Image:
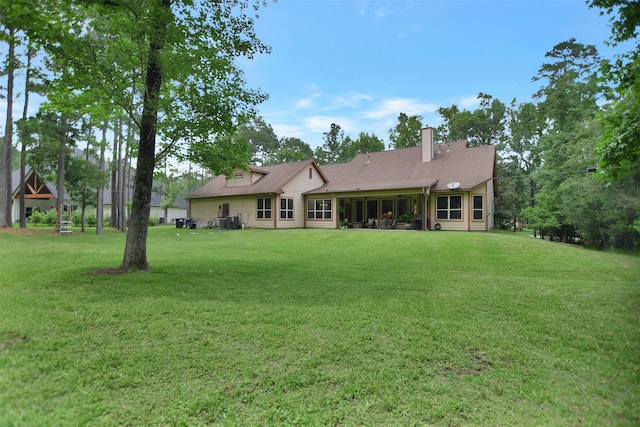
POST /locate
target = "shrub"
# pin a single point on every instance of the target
(76, 218)
(51, 217)
(90, 219)
(37, 217)
(154, 220)
(106, 220)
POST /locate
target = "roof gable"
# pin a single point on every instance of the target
(272, 180)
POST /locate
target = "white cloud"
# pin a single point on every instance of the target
(305, 103)
(469, 101)
(382, 11)
(393, 107)
(323, 123)
(286, 130)
(351, 100)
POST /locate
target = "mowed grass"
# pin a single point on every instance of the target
(313, 327)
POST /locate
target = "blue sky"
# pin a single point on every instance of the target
(359, 63)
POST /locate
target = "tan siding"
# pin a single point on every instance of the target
(467, 222)
(475, 224)
(321, 224)
(293, 190)
(237, 182)
(204, 209)
(453, 224)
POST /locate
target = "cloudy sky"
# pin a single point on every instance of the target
(359, 63)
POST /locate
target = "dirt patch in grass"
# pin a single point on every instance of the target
(479, 363)
(11, 339)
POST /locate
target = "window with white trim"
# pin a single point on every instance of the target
(478, 207)
(449, 207)
(319, 209)
(286, 208)
(264, 208)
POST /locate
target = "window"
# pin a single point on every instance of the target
(286, 208)
(403, 207)
(319, 209)
(449, 207)
(238, 175)
(477, 207)
(310, 173)
(264, 208)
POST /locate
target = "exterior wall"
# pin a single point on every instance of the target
(491, 205)
(293, 190)
(172, 213)
(237, 181)
(42, 204)
(242, 207)
(323, 223)
(467, 223)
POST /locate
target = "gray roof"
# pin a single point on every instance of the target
(404, 169)
(272, 180)
(399, 169)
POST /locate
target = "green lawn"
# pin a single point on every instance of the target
(312, 327)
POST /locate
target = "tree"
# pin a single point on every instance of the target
(170, 188)
(290, 150)
(331, 151)
(7, 146)
(407, 132)
(568, 104)
(619, 147)
(182, 53)
(483, 126)
(260, 137)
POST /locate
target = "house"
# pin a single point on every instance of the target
(43, 195)
(448, 186)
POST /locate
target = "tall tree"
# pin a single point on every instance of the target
(6, 151)
(365, 143)
(261, 138)
(407, 132)
(185, 52)
(485, 125)
(290, 150)
(568, 102)
(330, 152)
(619, 147)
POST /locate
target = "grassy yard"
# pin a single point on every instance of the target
(311, 327)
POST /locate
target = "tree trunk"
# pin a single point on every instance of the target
(135, 252)
(23, 148)
(85, 188)
(100, 191)
(62, 152)
(123, 178)
(5, 155)
(115, 167)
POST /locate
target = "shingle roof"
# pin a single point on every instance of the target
(384, 170)
(272, 181)
(404, 169)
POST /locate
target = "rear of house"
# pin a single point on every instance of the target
(447, 186)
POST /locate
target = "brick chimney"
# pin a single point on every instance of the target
(426, 136)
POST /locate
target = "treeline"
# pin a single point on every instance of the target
(116, 74)
(569, 159)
